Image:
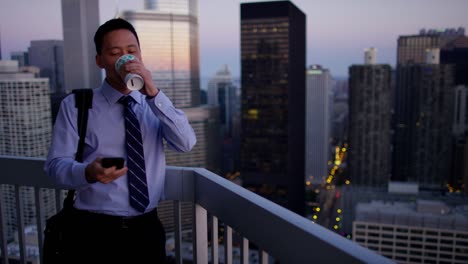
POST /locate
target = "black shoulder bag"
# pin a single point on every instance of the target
(56, 233)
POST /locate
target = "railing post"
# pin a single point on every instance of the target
(214, 241)
(245, 251)
(227, 244)
(200, 251)
(39, 217)
(3, 237)
(262, 256)
(20, 224)
(177, 232)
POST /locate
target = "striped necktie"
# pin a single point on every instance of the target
(137, 186)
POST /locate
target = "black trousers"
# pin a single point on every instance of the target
(100, 238)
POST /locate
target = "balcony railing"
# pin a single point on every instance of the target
(278, 233)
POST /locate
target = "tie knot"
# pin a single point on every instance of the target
(126, 100)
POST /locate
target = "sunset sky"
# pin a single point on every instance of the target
(337, 30)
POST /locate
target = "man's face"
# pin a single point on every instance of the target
(115, 44)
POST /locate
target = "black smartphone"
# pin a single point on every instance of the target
(112, 161)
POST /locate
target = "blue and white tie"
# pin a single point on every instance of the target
(137, 186)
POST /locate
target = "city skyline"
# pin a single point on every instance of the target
(337, 31)
(381, 122)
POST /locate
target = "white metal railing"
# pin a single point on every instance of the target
(277, 232)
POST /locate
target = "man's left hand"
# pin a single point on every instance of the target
(137, 67)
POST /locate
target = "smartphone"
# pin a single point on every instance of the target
(108, 162)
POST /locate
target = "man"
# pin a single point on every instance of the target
(112, 226)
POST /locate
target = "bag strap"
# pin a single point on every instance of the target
(83, 101)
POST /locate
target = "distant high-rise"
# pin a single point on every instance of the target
(273, 39)
(370, 105)
(317, 123)
(460, 124)
(456, 53)
(25, 131)
(458, 177)
(223, 75)
(223, 93)
(453, 46)
(48, 56)
(168, 33)
(21, 56)
(339, 113)
(25, 127)
(424, 106)
(80, 22)
(412, 49)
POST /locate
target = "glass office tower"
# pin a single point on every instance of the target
(168, 34)
(273, 39)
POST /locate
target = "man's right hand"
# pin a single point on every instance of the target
(94, 172)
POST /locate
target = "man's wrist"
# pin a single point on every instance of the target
(151, 96)
(88, 175)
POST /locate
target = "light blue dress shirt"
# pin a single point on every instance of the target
(105, 137)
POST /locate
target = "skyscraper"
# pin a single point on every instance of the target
(48, 56)
(223, 94)
(80, 21)
(21, 56)
(25, 131)
(273, 39)
(452, 43)
(458, 177)
(223, 75)
(456, 52)
(25, 128)
(423, 121)
(339, 113)
(412, 48)
(370, 102)
(423, 79)
(168, 33)
(460, 124)
(318, 123)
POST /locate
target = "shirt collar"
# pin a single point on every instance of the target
(112, 95)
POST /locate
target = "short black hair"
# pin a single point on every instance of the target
(111, 25)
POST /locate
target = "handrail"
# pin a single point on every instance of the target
(286, 236)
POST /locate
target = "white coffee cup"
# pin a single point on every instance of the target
(133, 81)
